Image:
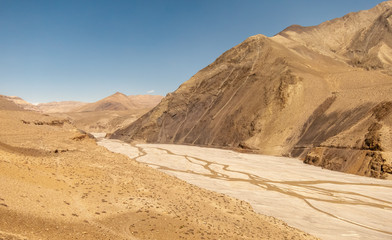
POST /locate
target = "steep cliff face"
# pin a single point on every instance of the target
(228, 102)
(308, 92)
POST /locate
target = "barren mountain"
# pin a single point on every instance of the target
(111, 113)
(56, 183)
(321, 93)
(121, 102)
(105, 115)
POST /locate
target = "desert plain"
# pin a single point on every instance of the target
(57, 183)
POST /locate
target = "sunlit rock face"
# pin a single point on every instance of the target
(308, 92)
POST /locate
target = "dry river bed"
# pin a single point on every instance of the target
(326, 204)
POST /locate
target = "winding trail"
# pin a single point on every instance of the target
(327, 204)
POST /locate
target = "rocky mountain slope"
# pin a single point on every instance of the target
(321, 93)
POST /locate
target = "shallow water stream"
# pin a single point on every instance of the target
(327, 204)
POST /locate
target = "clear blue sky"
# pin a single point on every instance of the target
(88, 49)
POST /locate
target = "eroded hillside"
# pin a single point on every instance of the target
(308, 92)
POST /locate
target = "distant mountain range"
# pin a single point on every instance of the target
(105, 115)
(321, 93)
(115, 102)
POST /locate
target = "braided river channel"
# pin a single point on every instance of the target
(327, 204)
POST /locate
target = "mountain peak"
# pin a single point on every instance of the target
(118, 94)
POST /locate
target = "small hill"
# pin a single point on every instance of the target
(121, 102)
(59, 107)
(21, 103)
(6, 104)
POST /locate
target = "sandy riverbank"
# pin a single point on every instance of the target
(327, 204)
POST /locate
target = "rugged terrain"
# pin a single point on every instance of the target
(105, 115)
(321, 93)
(110, 113)
(57, 183)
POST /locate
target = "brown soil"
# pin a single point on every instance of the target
(56, 183)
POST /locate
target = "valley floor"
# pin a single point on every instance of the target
(327, 204)
(57, 183)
